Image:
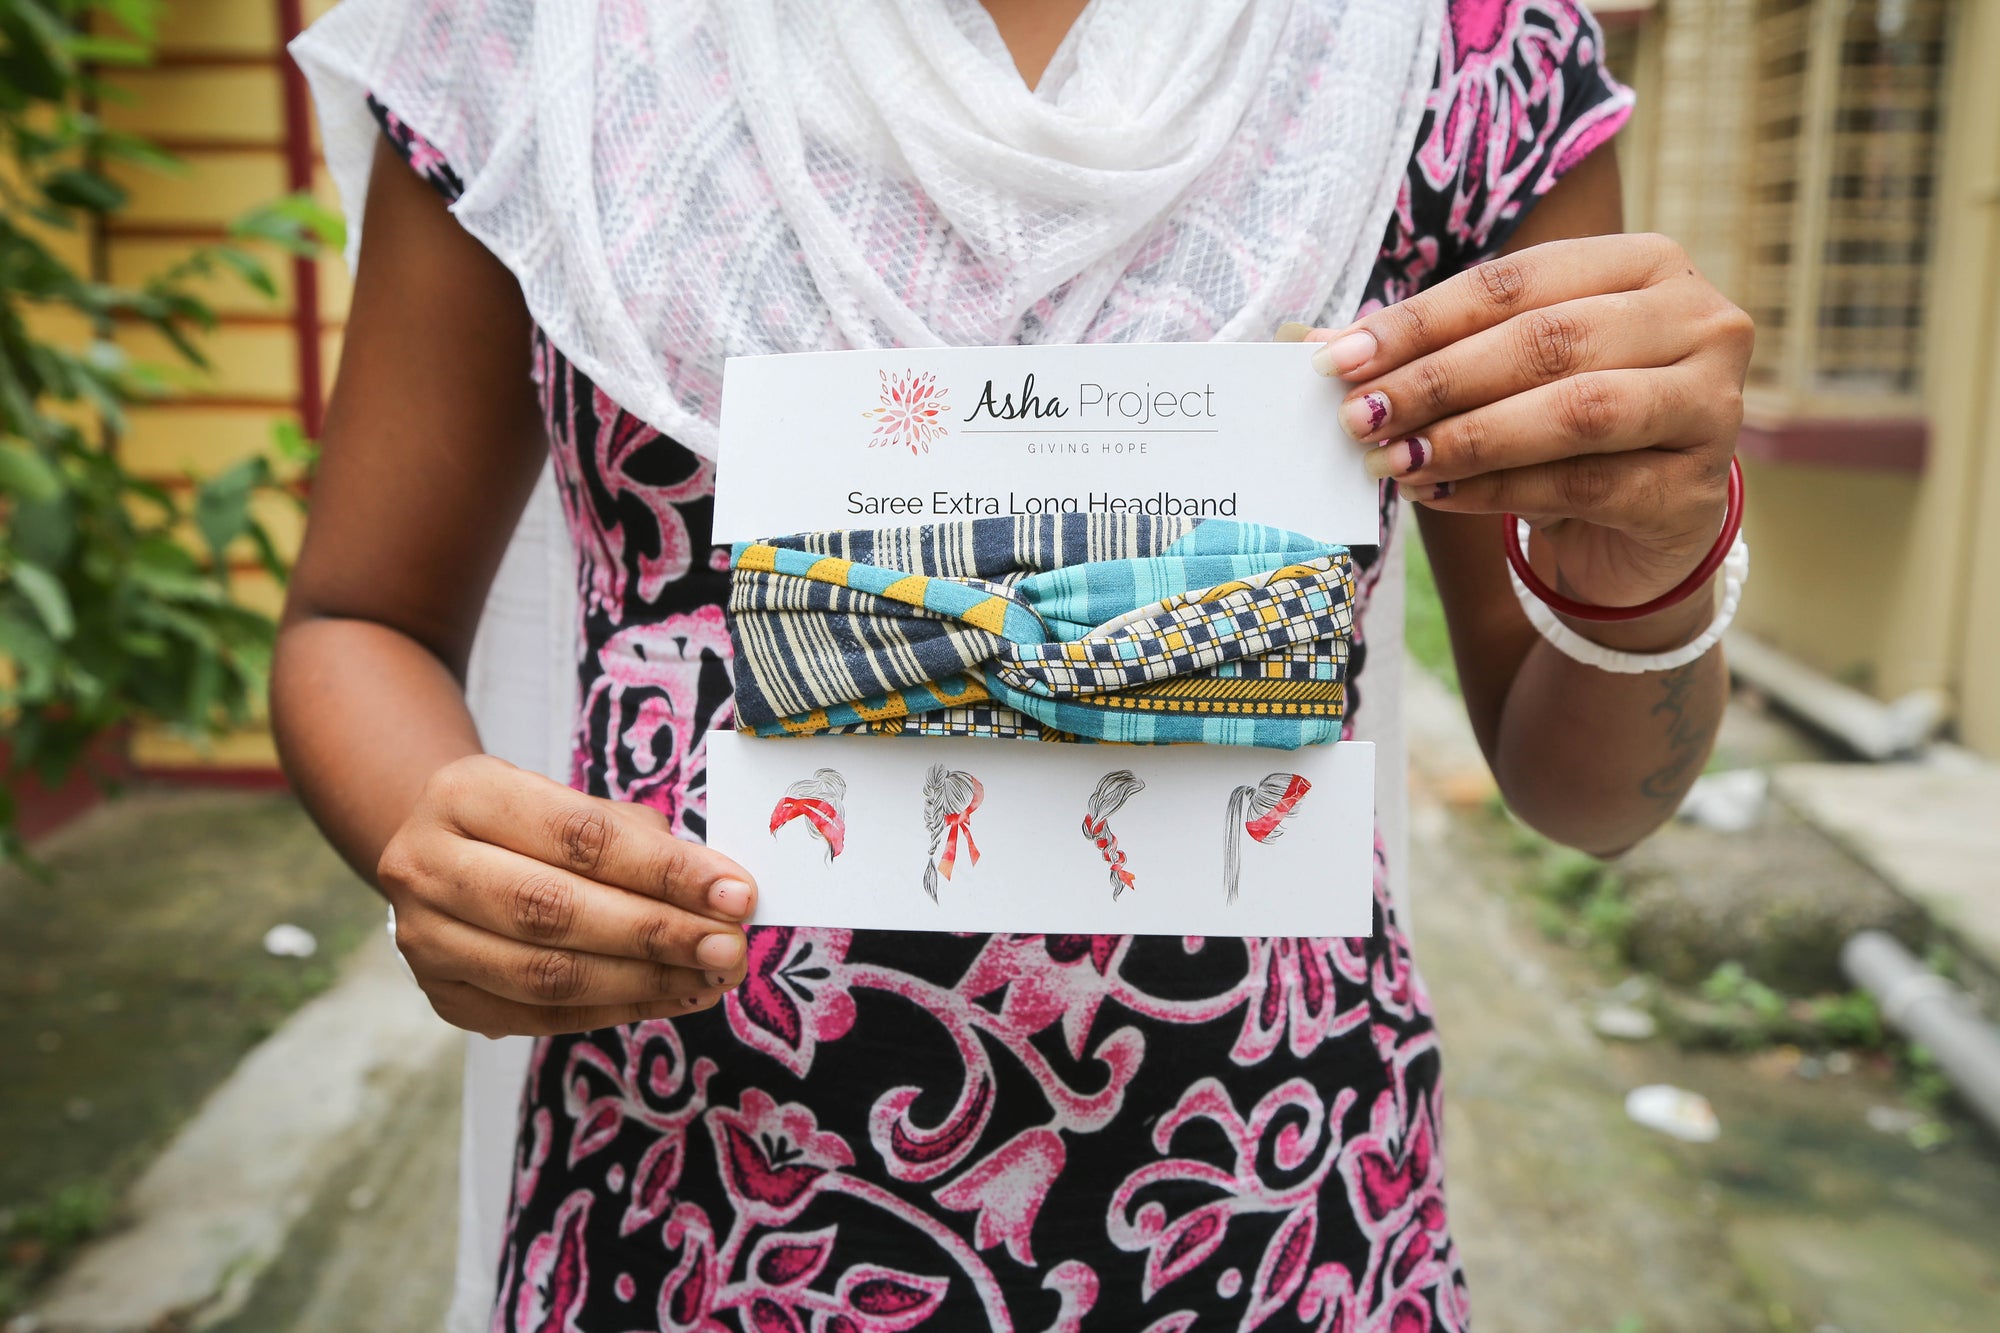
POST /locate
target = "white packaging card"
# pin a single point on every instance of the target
(891, 438)
(905, 436)
(1022, 858)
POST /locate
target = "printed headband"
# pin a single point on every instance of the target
(1064, 627)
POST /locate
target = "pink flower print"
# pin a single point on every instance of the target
(912, 1152)
(1037, 994)
(795, 994)
(1284, 1133)
(653, 1183)
(886, 1300)
(1007, 1189)
(1075, 1284)
(555, 1275)
(773, 1158)
(1294, 992)
(1392, 1166)
(646, 694)
(687, 1297)
(791, 1258)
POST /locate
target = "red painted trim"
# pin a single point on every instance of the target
(42, 810)
(193, 59)
(1892, 444)
(240, 778)
(305, 272)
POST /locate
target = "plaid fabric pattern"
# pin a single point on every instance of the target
(1087, 627)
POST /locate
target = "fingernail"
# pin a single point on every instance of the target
(1291, 331)
(1345, 354)
(690, 1001)
(1398, 457)
(731, 897)
(718, 980)
(719, 951)
(1363, 416)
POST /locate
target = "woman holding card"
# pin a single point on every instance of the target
(573, 214)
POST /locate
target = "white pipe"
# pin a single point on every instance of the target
(1932, 1012)
(1872, 729)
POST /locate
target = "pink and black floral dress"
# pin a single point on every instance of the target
(887, 1130)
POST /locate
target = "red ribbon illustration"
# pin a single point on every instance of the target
(822, 815)
(959, 822)
(1263, 826)
(1113, 790)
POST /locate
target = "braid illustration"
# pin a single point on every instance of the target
(820, 800)
(950, 797)
(1260, 811)
(1113, 790)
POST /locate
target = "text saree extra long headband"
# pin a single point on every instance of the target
(1065, 627)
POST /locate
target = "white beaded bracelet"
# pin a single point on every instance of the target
(1735, 569)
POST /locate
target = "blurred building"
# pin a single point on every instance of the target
(1834, 165)
(224, 99)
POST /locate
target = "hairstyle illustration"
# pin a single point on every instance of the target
(1260, 811)
(1113, 790)
(820, 800)
(950, 797)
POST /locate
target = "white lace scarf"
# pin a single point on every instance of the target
(676, 183)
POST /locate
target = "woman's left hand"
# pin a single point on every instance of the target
(1592, 386)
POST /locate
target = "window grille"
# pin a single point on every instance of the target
(1844, 121)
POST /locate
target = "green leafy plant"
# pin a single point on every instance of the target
(107, 617)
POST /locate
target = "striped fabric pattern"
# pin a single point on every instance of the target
(1118, 628)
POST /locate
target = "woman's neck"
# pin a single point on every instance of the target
(1032, 30)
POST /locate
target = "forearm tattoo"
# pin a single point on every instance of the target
(1688, 730)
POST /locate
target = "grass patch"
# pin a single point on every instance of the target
(1424, 631)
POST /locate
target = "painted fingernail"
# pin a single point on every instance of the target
(719, 951)
(1345, 354)
(718, 980)
(731, 897)
(1363, 416)
(1440, 491)
(1398, 457)
(1291, 331)
(690, 1001)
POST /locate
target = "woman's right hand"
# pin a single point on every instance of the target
(525, 907)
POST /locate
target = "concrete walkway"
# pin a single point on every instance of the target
(1571, 1218)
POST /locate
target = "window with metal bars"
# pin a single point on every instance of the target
(1843, 133)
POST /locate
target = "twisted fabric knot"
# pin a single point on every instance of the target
(1073, 626)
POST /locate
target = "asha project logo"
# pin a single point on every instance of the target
(912, 412)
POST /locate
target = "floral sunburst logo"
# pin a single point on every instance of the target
(912, 412)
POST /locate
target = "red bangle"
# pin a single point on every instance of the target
(1732, 523)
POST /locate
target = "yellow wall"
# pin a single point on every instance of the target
(216, 99)
(1882, 578)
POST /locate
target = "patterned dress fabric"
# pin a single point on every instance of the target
(885, 1130)
(1117, 628)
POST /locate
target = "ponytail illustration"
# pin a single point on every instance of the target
(950, 797)
(1260, 811)
(820, 800)
(1113, 790)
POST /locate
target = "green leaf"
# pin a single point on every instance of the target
(117, 146)
(289, 438)
(44, 532)
(246, 267)
(109, 50)
(75, 187)
(222, 504)
(35, 656)
(45, 593)
(25, 475)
